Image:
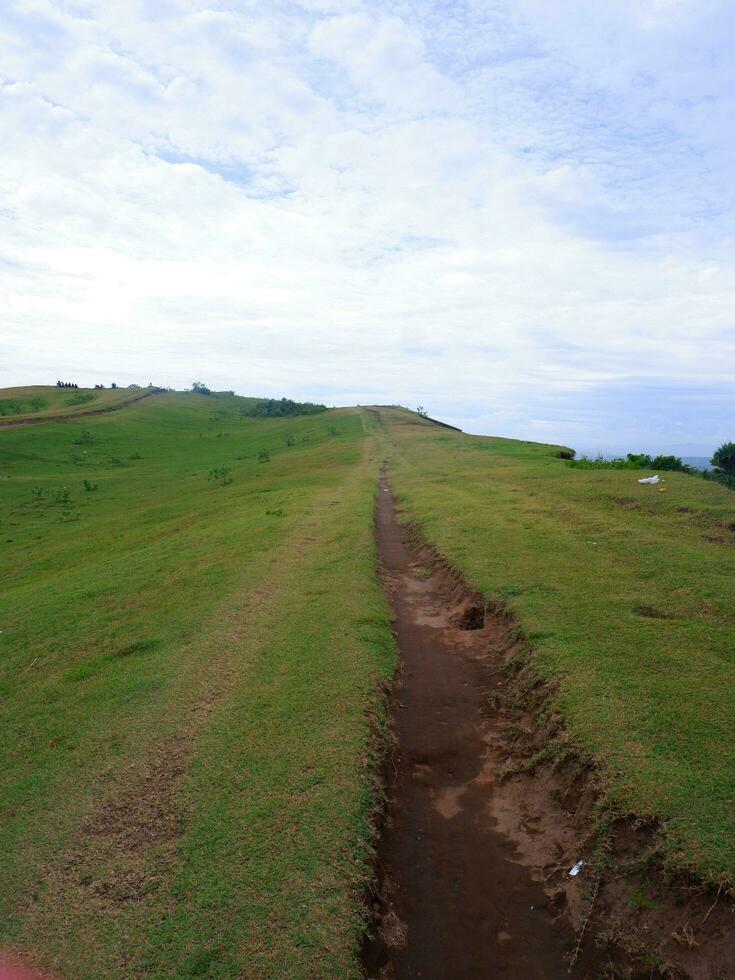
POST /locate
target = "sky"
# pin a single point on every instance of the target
(516, 213)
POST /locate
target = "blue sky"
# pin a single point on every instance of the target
(519, 214)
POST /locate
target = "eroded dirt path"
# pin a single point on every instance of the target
(457, 899)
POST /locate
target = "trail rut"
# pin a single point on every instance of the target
(456, 896)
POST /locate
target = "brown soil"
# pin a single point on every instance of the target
(15, 968)
(474, 856)
(78, 415)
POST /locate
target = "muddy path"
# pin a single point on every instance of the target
(459, 894)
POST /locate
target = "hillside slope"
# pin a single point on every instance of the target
(32, 404)
(188, 671)
(193, 643)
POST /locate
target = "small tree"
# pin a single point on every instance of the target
(420, 410)
(200, 388)
(723, 459)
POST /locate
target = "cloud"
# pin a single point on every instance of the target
(308, 197)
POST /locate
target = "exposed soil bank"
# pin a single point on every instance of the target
(454, 899)
(473, 868)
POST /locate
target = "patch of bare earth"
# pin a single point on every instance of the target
(16, 968)
(122, 852)
(489, 808)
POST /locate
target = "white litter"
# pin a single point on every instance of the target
(573, 872)
(651, 479)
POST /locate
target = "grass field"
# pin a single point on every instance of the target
(17, 404)
(189, 671)
(628, 595)
(192, 648)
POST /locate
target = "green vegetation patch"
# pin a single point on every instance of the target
(270, 408)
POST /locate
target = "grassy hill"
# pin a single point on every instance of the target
(189, 670)
(40, 402)
(193, 641)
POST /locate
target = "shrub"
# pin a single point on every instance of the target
(725, 478)
(135, 455)
(632, 461)
(289, 440)
(264, 456)
(81, 398)
(55, 496)
(332, 430)
(199, 388)
(84, 438)
(279, 407)
(723, 459)
(115, 460)
(89, 487)
(221, 475)
(672, 463)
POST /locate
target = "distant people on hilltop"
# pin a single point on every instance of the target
(66, 384)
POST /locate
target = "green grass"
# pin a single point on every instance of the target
(191, 666)
(17, 404)
(628, 595)
(188, 674)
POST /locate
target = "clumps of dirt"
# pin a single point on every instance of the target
(139, 646)
(469, 614)
(713, 538)
(627, 503)
(651, 612)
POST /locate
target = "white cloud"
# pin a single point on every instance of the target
(307, 198)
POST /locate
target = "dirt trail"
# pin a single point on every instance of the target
(456, 896)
